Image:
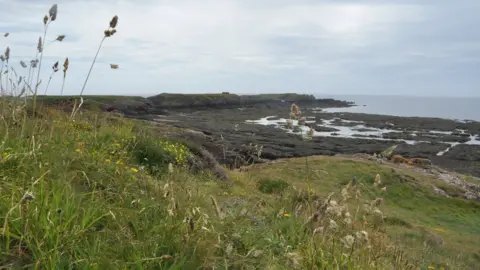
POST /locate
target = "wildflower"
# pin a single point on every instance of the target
(318, 230)
(431, 267)
(332, 225)
(358, 194)
(310, 132)
(257, 253)
(378, 180)
(384, 189)
(377, 202)
(286, 214)
(377, 212)
(108, 161)
(134, 170)
(362, 236)
(347, 221)
(295, 111)
(345, 194)
(294, 258)
(302, 120)
(78, 150)
(28, 196)
(289, 123)
(348, 241)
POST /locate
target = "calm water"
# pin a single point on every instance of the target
(442, 107)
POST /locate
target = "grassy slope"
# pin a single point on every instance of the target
(413, 212)
(100, 203)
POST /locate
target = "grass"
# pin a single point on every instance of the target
(85, 195)
(91, 190)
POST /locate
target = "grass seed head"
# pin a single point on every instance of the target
(45, 19)
(2, 57)
(65, 65)
(348, 241)
(33, 63)
(7, 54)
(23, 64)
(60, 38)
(53, 12)
(6, 34)
(114, 21)
(55, 67)
(40, 45)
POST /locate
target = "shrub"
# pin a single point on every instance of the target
(155, 155)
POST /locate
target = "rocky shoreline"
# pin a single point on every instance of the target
(231, 134)
(233, 128)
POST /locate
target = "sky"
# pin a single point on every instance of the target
(403, 47)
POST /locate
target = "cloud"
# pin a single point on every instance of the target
(351, 47)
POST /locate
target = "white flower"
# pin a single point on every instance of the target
(362, 236)
(377, 212)
(332, 225)
(28, 196)
(348, 241)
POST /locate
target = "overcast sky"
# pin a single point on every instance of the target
(427, 47)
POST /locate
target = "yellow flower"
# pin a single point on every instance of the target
(286, 215)
(135, 170)
(108, 161)
(78, 150)
(431, 267)
(4, 154)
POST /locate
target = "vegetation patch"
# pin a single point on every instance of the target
(272, 186)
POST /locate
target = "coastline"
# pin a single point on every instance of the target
(222, 124)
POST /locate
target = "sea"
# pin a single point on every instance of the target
(456, 108)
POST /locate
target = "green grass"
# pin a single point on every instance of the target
(104, 198)
(92, 190)
(411, 207)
